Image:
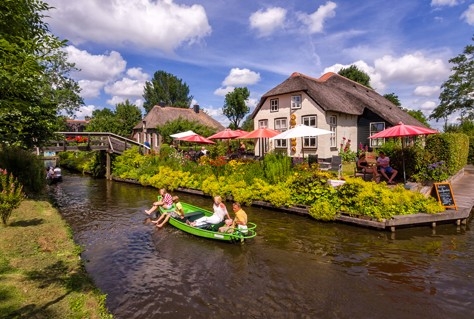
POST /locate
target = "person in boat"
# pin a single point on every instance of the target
(165, 200)
(239, 221)
(220, 212)
(57, 173)
(177, 213)
(364, 166)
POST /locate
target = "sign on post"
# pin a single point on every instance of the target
(444, 194)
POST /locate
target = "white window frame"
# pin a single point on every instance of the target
(310, 120)
(375, 127)
(281, 125)
(296, 101)
(333, 128)
(274, 105)
(262, 123)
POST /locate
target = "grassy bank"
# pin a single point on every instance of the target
(41, 275)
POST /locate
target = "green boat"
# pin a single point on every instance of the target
(191, 213)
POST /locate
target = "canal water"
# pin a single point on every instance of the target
(296, 267)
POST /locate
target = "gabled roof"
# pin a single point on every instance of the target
(333, 92)
(160, 115)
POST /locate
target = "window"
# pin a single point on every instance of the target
(296, 101)
(281, 125)
(274, 105)
(263, 124)
(311, 120)
(333, 129)
(376, 127)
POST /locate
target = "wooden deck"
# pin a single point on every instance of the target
(463, 189)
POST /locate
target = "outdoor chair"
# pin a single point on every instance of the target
(335, 165)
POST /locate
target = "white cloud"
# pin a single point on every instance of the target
(468, 15)
(315, 21)
(440, 3)
(126, 87)
(427, 91)
(90, 89)
(85, 110)
(411, 68)
(241, 77)
(266, 22)
(223, 90)
(428, 106)
(375, 78)
(101, 67)
(143, 24)
(138, 74)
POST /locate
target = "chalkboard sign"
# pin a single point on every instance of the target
(445, 196)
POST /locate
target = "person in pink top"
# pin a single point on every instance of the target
(165, 200)
(383, 163)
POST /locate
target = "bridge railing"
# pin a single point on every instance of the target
(86, 141)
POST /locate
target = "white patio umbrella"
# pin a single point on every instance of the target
(183, 134)
(301, 130)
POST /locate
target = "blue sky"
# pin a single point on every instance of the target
(217, 45)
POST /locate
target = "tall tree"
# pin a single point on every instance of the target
(457, 93)
(168, 89)
(419, 116)
(120, 122)
(354, 74)
(235, 107)
(34, 75)
(392, 97)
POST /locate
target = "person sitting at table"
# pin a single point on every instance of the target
(367, 168)
(383, 163)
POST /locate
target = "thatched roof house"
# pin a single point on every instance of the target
(159, 115)
(332, 102)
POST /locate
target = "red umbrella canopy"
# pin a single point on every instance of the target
(196, 139)
(260, 133)
(401, 130)
(225, 134)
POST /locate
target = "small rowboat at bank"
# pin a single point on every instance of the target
(192, 213)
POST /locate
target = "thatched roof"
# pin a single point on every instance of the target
(160, 115)
(333, 92)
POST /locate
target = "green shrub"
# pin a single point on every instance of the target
(27, 167)
(11, 195)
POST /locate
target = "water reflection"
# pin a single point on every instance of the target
(295, 267)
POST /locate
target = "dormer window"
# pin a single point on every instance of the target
(274, 105)
(296, 101)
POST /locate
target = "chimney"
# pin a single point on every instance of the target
(196, 108)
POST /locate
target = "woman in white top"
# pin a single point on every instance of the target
(220, 212)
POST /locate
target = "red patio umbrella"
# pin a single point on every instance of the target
(260, 133)
(225, 134)
(196, 139)
(402, 130)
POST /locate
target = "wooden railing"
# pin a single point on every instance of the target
(89, 141)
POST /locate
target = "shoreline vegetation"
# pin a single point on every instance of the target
(41, 273)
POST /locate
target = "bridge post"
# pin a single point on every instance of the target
(108, 174)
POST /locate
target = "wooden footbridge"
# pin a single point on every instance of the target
(90, 141)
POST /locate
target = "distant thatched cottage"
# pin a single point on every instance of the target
(332, 102)
(160, 115)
